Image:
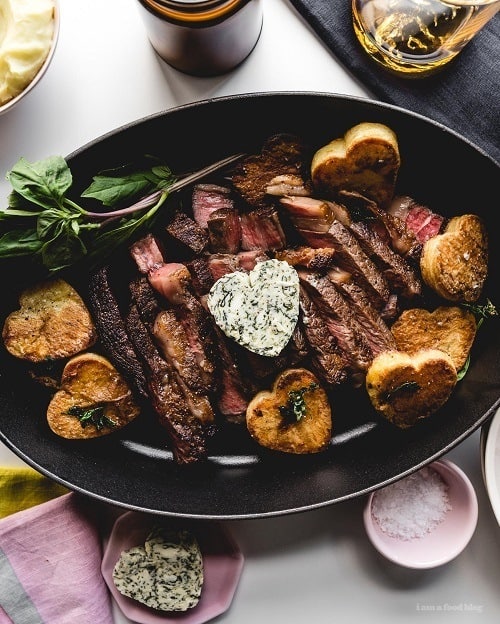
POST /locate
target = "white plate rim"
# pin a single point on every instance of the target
(490, 471)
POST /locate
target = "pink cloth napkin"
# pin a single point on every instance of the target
(50, 565)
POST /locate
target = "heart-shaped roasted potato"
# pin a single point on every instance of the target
(455, 264)
(258, 309)
(93, 399)
(366, 160)
(294, 416)
(52, 323)
(449, 329)
(405, 388)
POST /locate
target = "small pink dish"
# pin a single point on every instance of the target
(444, 541)
(222, 567)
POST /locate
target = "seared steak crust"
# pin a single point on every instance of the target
(327, 357)
(186, 432)
(112, 330)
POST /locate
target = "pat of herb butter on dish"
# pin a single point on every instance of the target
(258, 309)
(165, 574)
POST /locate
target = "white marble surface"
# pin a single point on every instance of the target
(316, 566)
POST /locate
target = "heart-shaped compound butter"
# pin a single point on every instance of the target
(166, 573)
(258, 309)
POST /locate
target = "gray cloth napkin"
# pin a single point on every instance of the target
(464, 96)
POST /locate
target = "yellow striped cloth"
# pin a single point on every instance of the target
(23, 487)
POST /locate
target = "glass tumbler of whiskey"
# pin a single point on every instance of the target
(414, 38)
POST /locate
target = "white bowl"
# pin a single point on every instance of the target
(443, 542)
(490, 461)
(9, 105)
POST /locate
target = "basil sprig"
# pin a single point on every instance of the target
(42, 220)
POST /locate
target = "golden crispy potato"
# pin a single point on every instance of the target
(405, 388)
(455, 264)
(449, 329)
(366, 160)
(93, 400)
(273, 423)
(53, 322)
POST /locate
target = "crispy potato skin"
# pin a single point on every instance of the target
(455, 264)
(52, 322)
(448, 328)
(266, 425)
(366, 160)
(89, 379)
(405, 388)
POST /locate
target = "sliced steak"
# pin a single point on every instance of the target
(340, 319)
(224, 231)
(351, 257)
(234, 394)
(388, 226)
(146, 299)
(207, 198)
(201, 277)
(222, 264)
(187, 433)
(419, 219)
(173, 281)
(170, 339)
(423, 222)
(374, 328)
(148, 253)
(173, 343)
(317, 259)
(248, 259)
(112, 331)
(327, 358)
(261, 230)
(188, 233)
(399, 273)
(281, 155)
(309, 213)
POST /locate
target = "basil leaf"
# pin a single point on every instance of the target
(105, 242)
(64, 249)
(19, 243)
(44, 182)
(47, 224)
(111, 190)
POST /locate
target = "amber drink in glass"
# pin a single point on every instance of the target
(414, 38)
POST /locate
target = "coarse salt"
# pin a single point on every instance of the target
(412, 507)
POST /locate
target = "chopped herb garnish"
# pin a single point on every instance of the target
(407, 386)
(463, 371)
(481, 312)
(295, 408)
(92, 415)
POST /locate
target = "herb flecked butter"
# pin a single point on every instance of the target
(259, 309)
